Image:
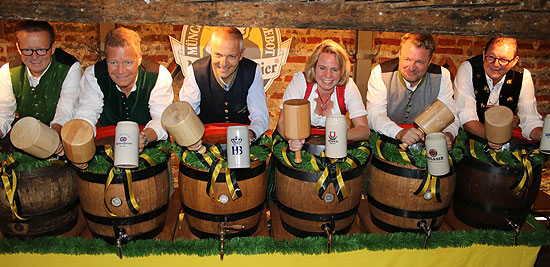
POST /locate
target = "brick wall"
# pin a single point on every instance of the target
(82, 40)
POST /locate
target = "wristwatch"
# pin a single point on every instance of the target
(144, 138)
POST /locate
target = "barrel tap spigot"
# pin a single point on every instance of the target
(514, 226)
(426, 229)
(120, 237)
(329, 230)
(222, 232)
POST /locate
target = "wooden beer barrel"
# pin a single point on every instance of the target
(48, 197)
(151, 188)
(202, 214)
(484, 196)
(392, 204)
(303, 213)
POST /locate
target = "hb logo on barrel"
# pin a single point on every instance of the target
(236, 148)
(263, 45)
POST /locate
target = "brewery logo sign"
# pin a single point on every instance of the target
(263, 45)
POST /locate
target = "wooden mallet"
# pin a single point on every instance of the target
(436, 117)
(297, 121)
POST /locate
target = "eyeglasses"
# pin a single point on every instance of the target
(39, 51)
(501, 61)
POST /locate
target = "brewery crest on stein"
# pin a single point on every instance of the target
(126, 145)
(545, 138)
(238, 147)
(437, 156)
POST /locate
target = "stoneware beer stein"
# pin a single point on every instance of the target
(499, 124)
(34, 137)
(437, 154)
(336, 130)
(126, 144)
(238, 147)
(78, 140)
(183, 124)
(545, 138)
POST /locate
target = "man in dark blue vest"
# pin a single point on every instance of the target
(227, 87)
(491, 79)
(42, 83)
(125, 87)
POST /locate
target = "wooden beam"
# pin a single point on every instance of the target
(513, 18)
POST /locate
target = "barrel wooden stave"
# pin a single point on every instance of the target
(151, 194)
(398, 192)
(48, 197)
(490, 186)
(301, 196)
(193, 195)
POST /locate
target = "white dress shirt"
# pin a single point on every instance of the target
(377, 96)
(255, 100)
(90, 104)
(68, 96)
(466, 101)
(352, 97)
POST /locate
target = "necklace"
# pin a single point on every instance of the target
(324, 103)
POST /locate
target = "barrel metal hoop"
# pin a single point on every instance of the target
(202, 235)
(116, 221)
(317, 217)
(147, 235)
(240, 174)
(392, 228)
(489, 168)
(136, 175)
(222, 217)
(313, 177)
(482, 225)
(404, 172)
(491, 208)
(301, 233)
(55, 212)
(58, 231)
(407, 213)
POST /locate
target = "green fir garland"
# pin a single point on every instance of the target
(260, 150)
(267, 245)
(391, 152)
(359, 154)
(504, 155)
(100, 165)
(26, 162)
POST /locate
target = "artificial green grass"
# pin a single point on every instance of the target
(266, 245)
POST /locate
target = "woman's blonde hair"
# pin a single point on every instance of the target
(329, 46)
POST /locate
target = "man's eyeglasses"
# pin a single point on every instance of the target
(39, 51)
(501, 61)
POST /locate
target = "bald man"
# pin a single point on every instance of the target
(227, 87)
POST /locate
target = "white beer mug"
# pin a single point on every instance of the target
(238, 147)
(545, 138)
(336, 140)
(126, 144)
(437, 154)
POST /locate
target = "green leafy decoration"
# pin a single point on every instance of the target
(266, 245)
(260, 150)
